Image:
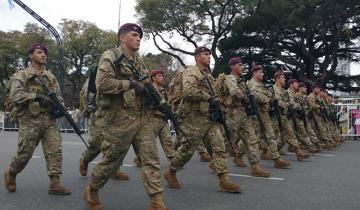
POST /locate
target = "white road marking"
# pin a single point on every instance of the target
(248, 176)
(317, 154)
(126, 165)
(36, 156)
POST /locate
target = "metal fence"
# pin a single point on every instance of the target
(348, 116)
(8, 124)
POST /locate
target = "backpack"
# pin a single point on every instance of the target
(221, 87)
(176, 88)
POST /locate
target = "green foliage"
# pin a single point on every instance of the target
(307, 35)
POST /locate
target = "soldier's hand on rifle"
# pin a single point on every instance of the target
(138, 86)
(44, 100)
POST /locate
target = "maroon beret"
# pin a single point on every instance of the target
(131, 27)
(201, 49)
(234, 60)
(155, 72)
(301, 84)
(292, 81)
(33, 47)
(256, 68)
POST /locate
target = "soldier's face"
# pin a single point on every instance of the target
(159, 78)
(203, 58)
(316, 90)
(303, 90)
(238, 68)
(131, 40)
(295, 86)
(259, 75)
(281, 80)
(38, 56)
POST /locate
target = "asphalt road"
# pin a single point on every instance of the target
(328, 181)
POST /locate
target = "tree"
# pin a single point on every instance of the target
(83, 44)
(161, 61)
(195, 21)
(308, 36)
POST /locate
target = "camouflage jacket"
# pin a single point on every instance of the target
(314, 103)
(113, 84)
(23, 90)
(261, 94)
(283, 98)
(236, 92)
(196, 92)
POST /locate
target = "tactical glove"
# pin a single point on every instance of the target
(44, 100)
(138, 86)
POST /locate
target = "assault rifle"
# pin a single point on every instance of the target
(255, 110)
(217, 114)
(154, 98)
(59, 110)
(276, 108)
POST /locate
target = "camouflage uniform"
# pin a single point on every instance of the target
(196, 124)
(330, 109)
(35, 122)
(162, 130)
(125, 120)
(286, 133)
(317, 121)
(299, 126)
(175, 100)
(262, 97)
(237, 118)
(95, 138)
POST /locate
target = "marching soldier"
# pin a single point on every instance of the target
(286, 133)
(235, 101)
(31, 107)
(95, 140)
(317, 120)
(308, 116)
(329, 121)
(263, 97)
(196, 99)
(160, 123)
(125, 119)
(299, 117)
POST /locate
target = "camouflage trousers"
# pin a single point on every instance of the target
(162, 131)
(269, 133)
(320, 128)
(334, 132)
(243, 130)
(311, 133)
(95, 139)
(120, 129)
(201, 149)
(302, 135)
(198, 128)
(286, 134)
(33, 130)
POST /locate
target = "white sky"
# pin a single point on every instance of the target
(103, 13)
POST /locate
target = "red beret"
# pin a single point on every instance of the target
(33, 47)
(131, 27)
(301, 84)
(292, 81)
(201, 49)
(155, 72)
(234, 60)
(256, 68)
